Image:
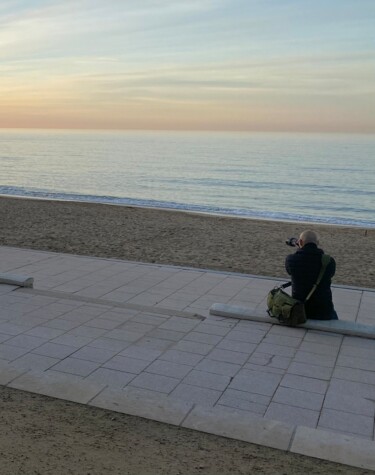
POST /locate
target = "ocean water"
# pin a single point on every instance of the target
(300, 177)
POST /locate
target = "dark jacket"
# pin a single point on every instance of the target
(304, 266)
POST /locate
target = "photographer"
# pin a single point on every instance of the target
(304, 266)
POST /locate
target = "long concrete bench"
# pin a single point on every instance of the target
(19, 280)
(334, 326)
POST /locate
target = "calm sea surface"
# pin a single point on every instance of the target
(299, 177)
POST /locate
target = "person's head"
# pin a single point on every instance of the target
(307, 237)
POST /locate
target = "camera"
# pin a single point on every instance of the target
(293, 242)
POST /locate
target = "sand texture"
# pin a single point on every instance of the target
(185, 239)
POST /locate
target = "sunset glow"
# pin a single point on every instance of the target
(197, 64)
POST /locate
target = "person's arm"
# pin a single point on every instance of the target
(331, 268)
(287, 265)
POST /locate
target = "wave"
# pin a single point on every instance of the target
(215, 210)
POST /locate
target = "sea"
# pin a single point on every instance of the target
(317, 178)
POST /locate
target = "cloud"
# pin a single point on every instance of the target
(199, 55)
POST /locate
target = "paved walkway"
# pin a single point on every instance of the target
(138, 338)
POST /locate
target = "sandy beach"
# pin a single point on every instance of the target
(46, 436)
(179, 238)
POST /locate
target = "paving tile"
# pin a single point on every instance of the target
(168, 368)
(149, 318)
(213, 328)
(124, 335)
(314, 359)
(352, 388)
(248, 337)
(10, 353)
(352, 374)
(75, 366)
(26, 341)
(239, 346)
(166, 334)
(54, 350)
(109, 344)
(203, 338)
(298, 398)
(263, 359)
(149, 407)
(44, 332)
(34, 362)
(155, 343)
(319, 348)
(289, 341)
(256, 382)
(348, 422)
(218, 367)
(323, 338)
(228, 356)
(264, 369)
(247, 396)
(62, 324)
(292, 415)
(117, 315)
(334, 447)
(353, 362)
(12, 329)
(86, 331)
(237, 425)
(287, 331)
(249, 326)
(180, 324)
(357, 352)
(137, 327)
(243, 404)
(193, 347)
(181, 357)
(140, 352)
(98, 355)
(303, 383)
(126, 364)
(103, 323)
(71, 340)
(355, 404)
(204, 379)
(8, 373)
(155, 382)
(357, 342)
(195, 394)
(311, 371)
(273, 349)
(110, 377)
(144, 393)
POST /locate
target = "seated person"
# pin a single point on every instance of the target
(304, 266)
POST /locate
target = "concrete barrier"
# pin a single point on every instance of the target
(13, 279)
(334, 326)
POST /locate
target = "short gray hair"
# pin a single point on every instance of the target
(309, 236)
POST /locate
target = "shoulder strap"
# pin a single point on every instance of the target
(325, 261)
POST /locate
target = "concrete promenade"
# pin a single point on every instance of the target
(138, 338)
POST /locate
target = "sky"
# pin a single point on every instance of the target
(246, 65)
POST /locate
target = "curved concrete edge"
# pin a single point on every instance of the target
(19, 280)
(334, 326)
(220, 421)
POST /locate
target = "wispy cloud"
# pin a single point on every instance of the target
(171, 59)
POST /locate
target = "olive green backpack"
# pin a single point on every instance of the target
(285, 308)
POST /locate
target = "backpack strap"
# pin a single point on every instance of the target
(326, 259)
